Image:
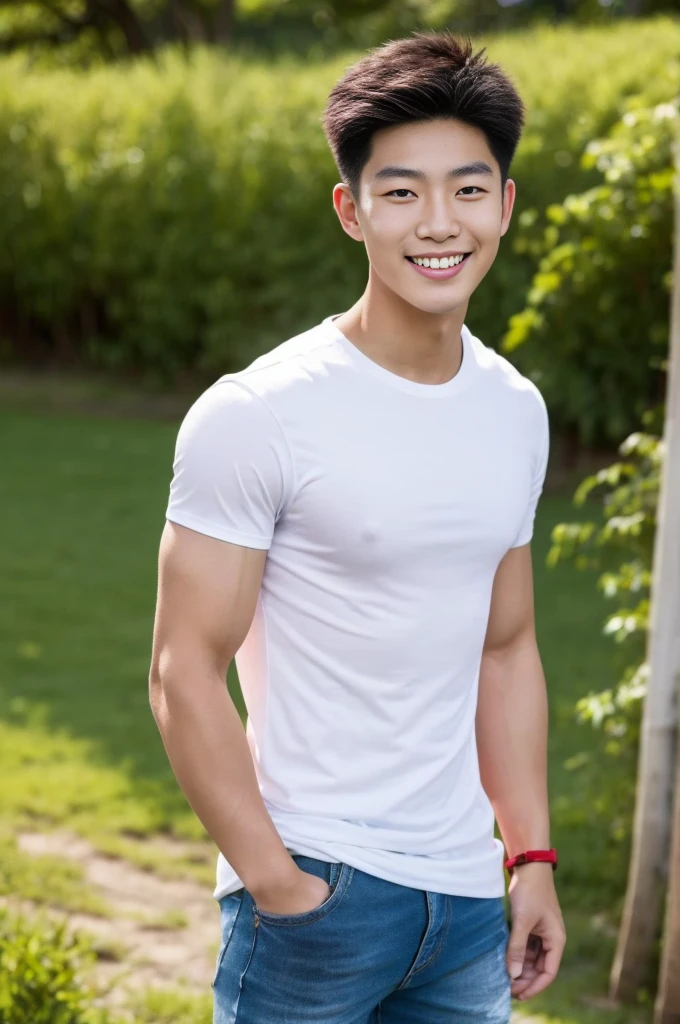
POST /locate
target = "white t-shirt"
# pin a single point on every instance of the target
(385, 505)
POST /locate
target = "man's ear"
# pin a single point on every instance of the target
(509, 196)
(346, 209)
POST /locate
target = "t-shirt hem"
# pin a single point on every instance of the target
(218, 532)
(451, 878)
(521, 541)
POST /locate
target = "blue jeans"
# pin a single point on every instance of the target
(374, 952)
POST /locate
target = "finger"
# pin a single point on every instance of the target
(539, 984)
(517, 988)
(547, 974)
(529, 974)
(517, 948)
(537, 962)
(534, 949)
(530, 971)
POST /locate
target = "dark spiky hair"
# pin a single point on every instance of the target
(423, 77)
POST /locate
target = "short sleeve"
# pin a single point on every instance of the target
(540, 466)
(232, 470)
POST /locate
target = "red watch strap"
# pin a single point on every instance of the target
(532, 856)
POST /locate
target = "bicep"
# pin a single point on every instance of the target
(232, 473)
(511, 612)
(207, 595)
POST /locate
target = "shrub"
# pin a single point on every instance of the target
(41, 974)
(594, 330)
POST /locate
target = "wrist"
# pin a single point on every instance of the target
(272, 877)
(542, 857)
(534, 870)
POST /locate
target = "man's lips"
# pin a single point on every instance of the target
(436, 255)
(439, 274)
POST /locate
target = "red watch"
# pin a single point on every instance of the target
(533, 856)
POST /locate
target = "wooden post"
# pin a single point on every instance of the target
(648, 873)
(667, 1010)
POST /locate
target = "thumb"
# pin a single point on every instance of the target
(517, 948)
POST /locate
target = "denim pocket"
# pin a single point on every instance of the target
(338, 876)
(229, 908)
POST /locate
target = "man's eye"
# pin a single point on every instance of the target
(394, 190)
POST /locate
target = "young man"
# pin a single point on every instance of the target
(350, 517)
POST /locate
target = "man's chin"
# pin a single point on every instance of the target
(436, 305)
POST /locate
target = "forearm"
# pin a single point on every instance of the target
(209, 754)
(512, 730)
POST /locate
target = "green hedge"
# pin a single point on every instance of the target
(177, 215)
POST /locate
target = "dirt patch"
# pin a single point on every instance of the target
(152, 955)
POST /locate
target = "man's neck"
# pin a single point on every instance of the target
(418, 346)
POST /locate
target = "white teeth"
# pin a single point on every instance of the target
(439, 264)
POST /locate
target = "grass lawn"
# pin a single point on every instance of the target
(82, 501)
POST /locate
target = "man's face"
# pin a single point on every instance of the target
(402, 214)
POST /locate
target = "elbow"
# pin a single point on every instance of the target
(165, 670)
(504, 646)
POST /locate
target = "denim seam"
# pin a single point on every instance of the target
(243, 974)
(225, 945)
(412, 969)
(436, 952)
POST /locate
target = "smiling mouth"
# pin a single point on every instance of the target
(413, 259)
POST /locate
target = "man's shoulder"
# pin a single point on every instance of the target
(503, 376)
(287, 367)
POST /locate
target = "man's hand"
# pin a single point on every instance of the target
(302, 893)
(538, 937)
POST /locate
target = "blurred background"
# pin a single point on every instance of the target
(165, 217)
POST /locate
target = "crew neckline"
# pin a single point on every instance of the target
(450, 387)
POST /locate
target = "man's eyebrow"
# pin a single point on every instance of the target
(392, 171)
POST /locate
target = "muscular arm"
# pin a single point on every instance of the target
(512, 710)
(207, 594)
(512, 735)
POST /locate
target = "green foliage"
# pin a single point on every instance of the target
(176, 215)
(171, 1006)
(594, 332)
(623, 549)
(636, 160)
(83, 32)
(41, 969)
